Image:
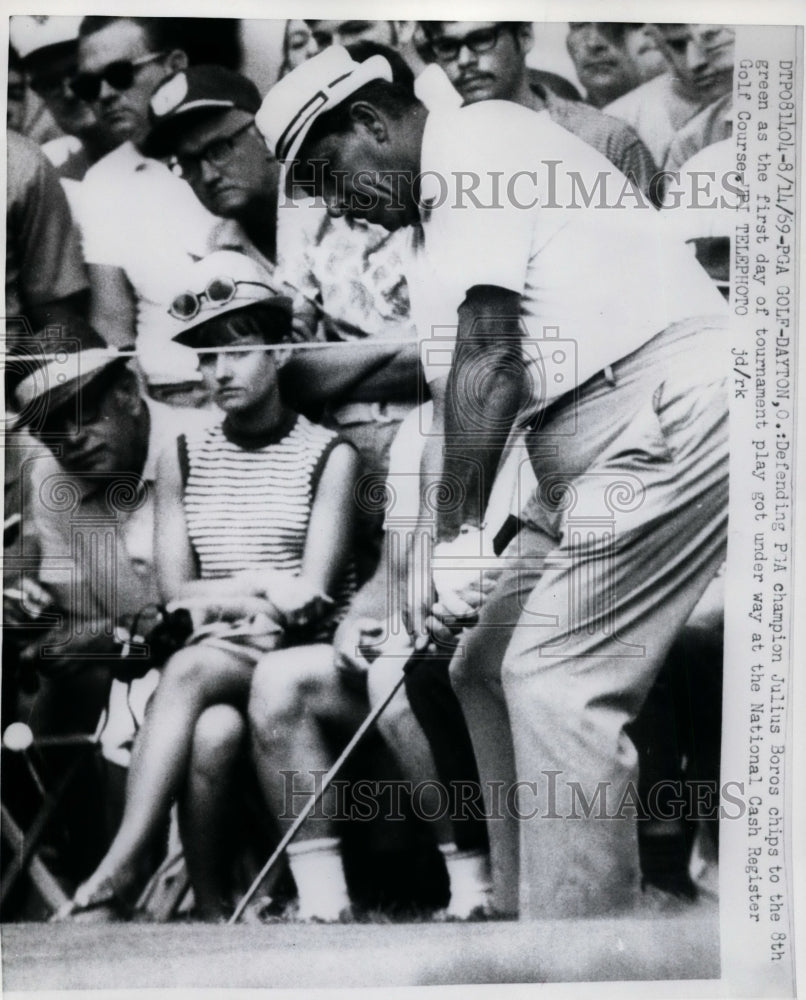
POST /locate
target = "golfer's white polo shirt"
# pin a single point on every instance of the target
(503, 202)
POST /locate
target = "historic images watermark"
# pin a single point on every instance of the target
(550, 797)
(552, 186)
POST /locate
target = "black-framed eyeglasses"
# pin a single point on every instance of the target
(218, 292)
(217, 153)
(119, 74)
(479, 41)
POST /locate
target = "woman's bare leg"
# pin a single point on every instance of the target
(193, 679)
(204, 806)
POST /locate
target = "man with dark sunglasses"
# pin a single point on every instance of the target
(486, 60)
(120, 62)
(140, 223)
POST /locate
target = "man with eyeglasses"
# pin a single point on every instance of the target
(89, 517)
(139, 222)
(203, 122)
(486, 60)
(700, 58)
(410, 39)
(350, 277)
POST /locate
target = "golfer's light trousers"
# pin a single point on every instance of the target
(626, 528)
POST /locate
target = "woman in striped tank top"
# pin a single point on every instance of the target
(254, 518)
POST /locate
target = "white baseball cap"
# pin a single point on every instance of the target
(29, 33)
(295, 102)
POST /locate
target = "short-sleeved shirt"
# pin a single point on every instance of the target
(657, 110)
(43, 254)
(355, 270)
(70, 522)
(595, 283)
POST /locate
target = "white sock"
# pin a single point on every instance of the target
(319, 875)
(469, 874)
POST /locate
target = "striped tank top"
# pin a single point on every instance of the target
(248, 508)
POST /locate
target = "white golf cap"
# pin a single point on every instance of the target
(295, 102)
(29, 33)
(222, 282)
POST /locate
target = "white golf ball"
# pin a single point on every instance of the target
(18, 736)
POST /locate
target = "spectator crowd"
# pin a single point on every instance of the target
(414, 359)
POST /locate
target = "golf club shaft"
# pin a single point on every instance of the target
(313, 801)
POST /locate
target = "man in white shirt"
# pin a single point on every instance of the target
(139, 222)
(566, 323)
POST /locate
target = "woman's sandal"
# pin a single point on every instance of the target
(105, 902)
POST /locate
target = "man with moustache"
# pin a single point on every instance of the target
(486, 60)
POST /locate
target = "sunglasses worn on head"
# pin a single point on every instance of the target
(119, 74)
(217, 153)
(218, 292)
(478, 41)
